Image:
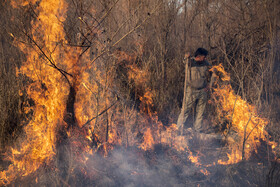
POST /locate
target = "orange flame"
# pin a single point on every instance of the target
(244, 120)
(48, 90)
(205, 172)
(148, 140)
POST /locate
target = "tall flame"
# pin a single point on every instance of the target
(243, 119)
(48, 89)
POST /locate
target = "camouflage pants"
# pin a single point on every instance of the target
(197, 98)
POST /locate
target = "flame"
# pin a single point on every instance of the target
(140, 78)
(48, 90)
(243, 118)
(193, 159)
(205, 172)
(17, 3)
(161, 134)
(233, 158)
(148, 140)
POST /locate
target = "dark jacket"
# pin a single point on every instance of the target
(197, 74)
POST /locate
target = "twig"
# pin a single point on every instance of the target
(106, 14)
(244, 138)
(91, 30)
(64, 73)
(101, 112)
(130, 17)
(252, 130)
(104, 50)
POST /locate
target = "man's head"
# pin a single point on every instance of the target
(200, 54)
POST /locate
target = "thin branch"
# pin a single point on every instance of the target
(106, 14)
(244, 138)
(52, 64)
(130, 17)
(91, 30)
(102, 112)
(104, 50)
(252, 130)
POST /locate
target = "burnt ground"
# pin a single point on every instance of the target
(160, 166)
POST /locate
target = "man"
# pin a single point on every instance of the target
(197, 84)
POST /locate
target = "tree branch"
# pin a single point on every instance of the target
(117, 99)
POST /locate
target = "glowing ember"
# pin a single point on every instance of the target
(205, 172)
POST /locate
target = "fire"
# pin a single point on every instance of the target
(16, 3)
(233, 158)
(148, 140)
(156, 133)
(244, 120)
(193, 159)
(205, 172)
(48, 89)
(62, 70)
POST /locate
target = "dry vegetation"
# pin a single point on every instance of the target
(149, 38)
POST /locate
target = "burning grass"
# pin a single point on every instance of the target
(159, 166)
(84, 133)
(244, 121)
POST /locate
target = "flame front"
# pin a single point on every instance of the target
(59, 70)
(48, 89)
(244, 121)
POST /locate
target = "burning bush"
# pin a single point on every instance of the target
(93, 119)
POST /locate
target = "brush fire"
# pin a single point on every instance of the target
(84, 131)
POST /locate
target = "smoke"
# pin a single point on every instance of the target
(133, 167)
(164, 166)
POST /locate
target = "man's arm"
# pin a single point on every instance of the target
(213, 77)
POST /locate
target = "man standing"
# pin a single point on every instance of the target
(197, 84)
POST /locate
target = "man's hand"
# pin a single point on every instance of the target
(187, 55)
